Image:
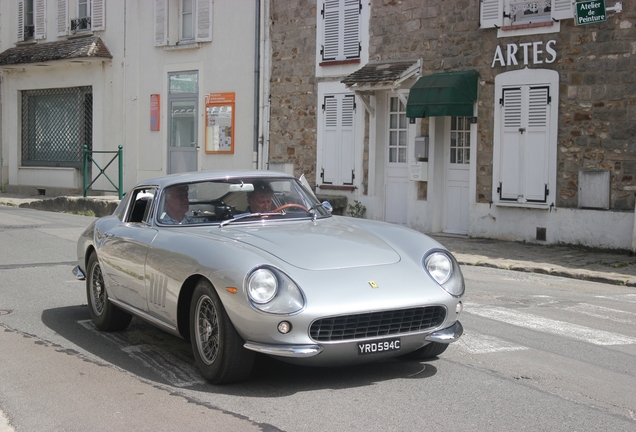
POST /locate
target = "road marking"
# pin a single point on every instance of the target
(559, 328)
(474, 343)
(4, 423)
(176, 371)
(604, 313)
(629, 298)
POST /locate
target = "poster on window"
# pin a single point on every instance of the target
(219, 123)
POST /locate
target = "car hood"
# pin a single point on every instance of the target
(327, 244)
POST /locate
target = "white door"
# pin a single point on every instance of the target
(396, 177)
(457, 157)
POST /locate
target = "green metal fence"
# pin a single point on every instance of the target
(88, 159)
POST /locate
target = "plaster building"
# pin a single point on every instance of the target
(175, 82)
(510, 119)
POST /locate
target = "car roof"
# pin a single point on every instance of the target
(198, 176)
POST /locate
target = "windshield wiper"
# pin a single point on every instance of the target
(246, 215)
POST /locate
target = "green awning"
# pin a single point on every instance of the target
(443, 94)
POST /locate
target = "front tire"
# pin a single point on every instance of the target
(431, 350)
(216, 345)
(106, 316)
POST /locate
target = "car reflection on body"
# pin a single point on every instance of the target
(293, 282)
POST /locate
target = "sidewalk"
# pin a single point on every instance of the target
(616, 267)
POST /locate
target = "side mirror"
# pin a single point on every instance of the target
(327, 206)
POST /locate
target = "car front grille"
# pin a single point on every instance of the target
(376, 324)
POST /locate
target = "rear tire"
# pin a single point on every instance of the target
(431, 350)
(216, 345)
(106, 316)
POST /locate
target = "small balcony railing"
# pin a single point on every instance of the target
(80, 24)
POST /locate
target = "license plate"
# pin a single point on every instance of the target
(380, 346)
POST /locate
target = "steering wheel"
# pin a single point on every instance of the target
(286, 206)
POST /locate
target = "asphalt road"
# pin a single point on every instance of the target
(539, 353)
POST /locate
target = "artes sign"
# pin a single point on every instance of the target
(590, 12)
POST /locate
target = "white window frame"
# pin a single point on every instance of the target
(497, 14)
(338, 161)
(517, 170)
(39, 19)
(182, 20)
(168, 24)
(399, 129)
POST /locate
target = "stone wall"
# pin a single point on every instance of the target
(293, 85)
(597, 95)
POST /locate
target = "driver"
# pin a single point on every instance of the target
(176, 206)
(260, 199)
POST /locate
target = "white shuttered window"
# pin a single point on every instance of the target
(341, 30)
(31, 19)
(192, 18)
(499, 13)
(524, 173)
(337, 165)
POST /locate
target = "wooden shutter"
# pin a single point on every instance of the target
(536, 143)
(39, 19)
(161, 22)
(203, 22)
(331, 29)
(511, 163)
(98, 15)
(341, 29)
(338, 139)
(351, 29)
(524, 144)
(562, 9)
(491, 13)
(20, 20)
(62, 17)
(346, 153)
(330, 140)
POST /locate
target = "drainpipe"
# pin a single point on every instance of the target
(265, 97)
(257, 81)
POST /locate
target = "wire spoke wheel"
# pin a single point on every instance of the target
(97, 292)
(208, 330)
(217, 347)
(106, 316)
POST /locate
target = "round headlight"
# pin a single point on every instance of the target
(262, 286)
(439, 266)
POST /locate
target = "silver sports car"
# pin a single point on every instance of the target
(249, 262)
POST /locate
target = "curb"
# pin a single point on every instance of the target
(551, 270)
(100, 206)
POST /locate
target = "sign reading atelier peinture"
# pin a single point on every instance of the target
(590, 12)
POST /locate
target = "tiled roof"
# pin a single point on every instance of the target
(85, 47)
(380, 73)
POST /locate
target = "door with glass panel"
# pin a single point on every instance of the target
(182, 125)
(457, 155)
(396, 172)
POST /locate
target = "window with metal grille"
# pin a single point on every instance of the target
(56, 123)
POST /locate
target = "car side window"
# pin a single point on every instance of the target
(140, 210)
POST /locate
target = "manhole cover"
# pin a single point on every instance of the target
(5, 311)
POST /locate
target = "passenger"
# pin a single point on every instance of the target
(176, 206)
(260, 200)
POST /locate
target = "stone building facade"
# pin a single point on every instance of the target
(585, 192)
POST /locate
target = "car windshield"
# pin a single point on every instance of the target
(244, 200)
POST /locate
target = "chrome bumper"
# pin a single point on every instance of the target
(297, 351)
(78, 273)
(447, 335)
